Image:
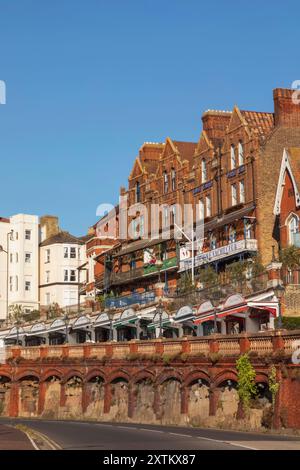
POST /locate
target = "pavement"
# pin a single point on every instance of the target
(81, 435)
(13, 439)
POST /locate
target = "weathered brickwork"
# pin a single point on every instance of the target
(181, 389)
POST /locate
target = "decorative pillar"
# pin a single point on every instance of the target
(184, 400)
(214, 395)
(13, 410)
(63, 397)
(244, 343)
(274, 273)
(107, 397)
(42, 395)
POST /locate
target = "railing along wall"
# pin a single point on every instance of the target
(258, 344)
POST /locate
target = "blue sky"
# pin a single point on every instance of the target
(89, 81)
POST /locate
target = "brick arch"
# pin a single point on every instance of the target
(195, 375)
(118, 374)
(70, 374)
(25, 374)
(143, 375)
(6, 375)
(95, 373)
(223, 376)
(51, 373)
(168, 375)
(262, 377)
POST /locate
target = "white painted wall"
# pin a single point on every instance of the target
(56, 289)
(19, 271)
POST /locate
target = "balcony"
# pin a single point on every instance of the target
(137, 273)
(235, 248)
(127, 300)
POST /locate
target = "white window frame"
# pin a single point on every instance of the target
(232, 157)
(27, 234)
(242, 191)
(203, 171)
(27, 286)
(234, 199)
(292, 224)
(72, 250)
(27, 258)
(241, 153)
(208, 206)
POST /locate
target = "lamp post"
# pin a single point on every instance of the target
(9, 237)
(159, 312)
(279, 292)
(192, 241)
(66, 320)
(215, 300)
(110, 316)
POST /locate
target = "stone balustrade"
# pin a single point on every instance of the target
(260, 344)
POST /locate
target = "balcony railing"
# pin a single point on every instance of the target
(136, 298)
(219, 253)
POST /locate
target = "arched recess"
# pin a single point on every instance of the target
(198, 397)
(51, 388)
(119, 396)
(227, 394)
(169, 396)
(28, 395)
(94, 395)
(71, 399)
(143, 397)
(5, 386)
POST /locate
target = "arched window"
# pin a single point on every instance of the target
(232, 157)
(203, 171)
(173, 179)
(293, 228)
(241, 153)
(166, 182)
(137, 192)
(201, 209)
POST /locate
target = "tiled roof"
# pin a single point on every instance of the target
(186, 149)
(62, 237)
(259, 122)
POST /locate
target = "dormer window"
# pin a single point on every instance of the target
(166, 182)
(203, 171)
(232, 157)
(173, 179)
(241, 153)
(137, 192)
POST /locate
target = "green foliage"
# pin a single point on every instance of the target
(273, 384)
(54, 311)
(208, 277)
(289, 323)
(185, 283)
(246, 380)
(32, 316)
(237, 271)
(290, 257)
(16, 313)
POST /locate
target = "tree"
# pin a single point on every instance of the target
(273, 384)
(16, 313)
(290, 257)
(246, 381)
(54, 311)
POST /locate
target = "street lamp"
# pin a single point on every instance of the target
(215, 300)
(66, 320)
(159, 312)
(279, 292)
(9, 237)
(110, 316)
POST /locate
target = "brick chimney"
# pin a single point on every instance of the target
(215, 123)
(49, 226)
(287, 113)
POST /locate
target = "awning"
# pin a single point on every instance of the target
(271, 307)
(126, 322)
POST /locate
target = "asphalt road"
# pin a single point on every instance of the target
(113, 436)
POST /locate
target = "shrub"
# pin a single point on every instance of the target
(246, 380)
(289, 323)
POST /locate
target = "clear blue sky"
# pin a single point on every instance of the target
(89, 81)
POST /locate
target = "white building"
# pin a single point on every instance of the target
(60, 257)
(19, 263)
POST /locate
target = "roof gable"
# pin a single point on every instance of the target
(137, 169)
(285, 168)
(204, 144)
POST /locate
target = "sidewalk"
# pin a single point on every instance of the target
(13, 439)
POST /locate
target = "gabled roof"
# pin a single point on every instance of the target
(260, 123)
(286, 167)
(62, 237)
(186, 149)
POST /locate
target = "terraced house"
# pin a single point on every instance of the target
(230, 178)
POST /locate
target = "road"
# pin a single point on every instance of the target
(113, 436)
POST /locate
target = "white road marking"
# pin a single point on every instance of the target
(152, 430)
(226, 442)
(177, 434)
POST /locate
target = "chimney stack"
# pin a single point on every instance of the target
(286, 110)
